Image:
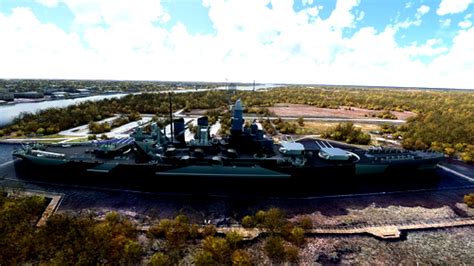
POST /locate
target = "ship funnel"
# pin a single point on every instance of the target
(237, 118)
(203, 130)
(179, 130)
(203, 121)
(254, 129)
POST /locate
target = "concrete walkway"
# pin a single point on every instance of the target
(55, 201)
(385, 232)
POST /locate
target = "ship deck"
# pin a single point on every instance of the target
(84, 153)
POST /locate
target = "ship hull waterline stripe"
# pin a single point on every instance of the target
(456, 173)
(98, 171)
(8, 163)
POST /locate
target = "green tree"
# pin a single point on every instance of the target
(40, 131)
(274, 248)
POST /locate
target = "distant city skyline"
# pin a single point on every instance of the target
(419, 43)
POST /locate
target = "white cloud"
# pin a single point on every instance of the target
(48, 3)
(445, 22)
(360, 16)
(423, 10)
(465, 24)
(250, 42)
(92, 12)
(342, 16)
(408, 22)
(452, 6)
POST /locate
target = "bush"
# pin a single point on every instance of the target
(248, 222)
(218, 248)
(300, 121)
(297, 236)
(132, 252)
(161, 228)
(209, 230)
(233, 239)
(348, 133)
(260, 217)
(273, 220)
(160, 259)
(194, 231)
(274, 248)
(291, 254)
(241, 258)
(175, 231)
(469, 200)
(203, 258)
(305, 222)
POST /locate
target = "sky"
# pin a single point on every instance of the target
(415, 43)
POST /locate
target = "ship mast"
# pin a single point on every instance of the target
(171, 116)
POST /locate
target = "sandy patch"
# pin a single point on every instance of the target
(342, 112)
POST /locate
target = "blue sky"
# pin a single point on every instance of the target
(424, 43)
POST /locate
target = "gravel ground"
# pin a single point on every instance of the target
(373, 215)
(452, 246)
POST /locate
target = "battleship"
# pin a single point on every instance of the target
(151, 158)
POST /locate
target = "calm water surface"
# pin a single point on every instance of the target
(9, 112)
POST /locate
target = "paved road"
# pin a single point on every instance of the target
(323, 119)
(121, 131)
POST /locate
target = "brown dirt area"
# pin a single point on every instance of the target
(313, 127)
(285, 109)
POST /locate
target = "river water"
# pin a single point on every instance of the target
(9, 111)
